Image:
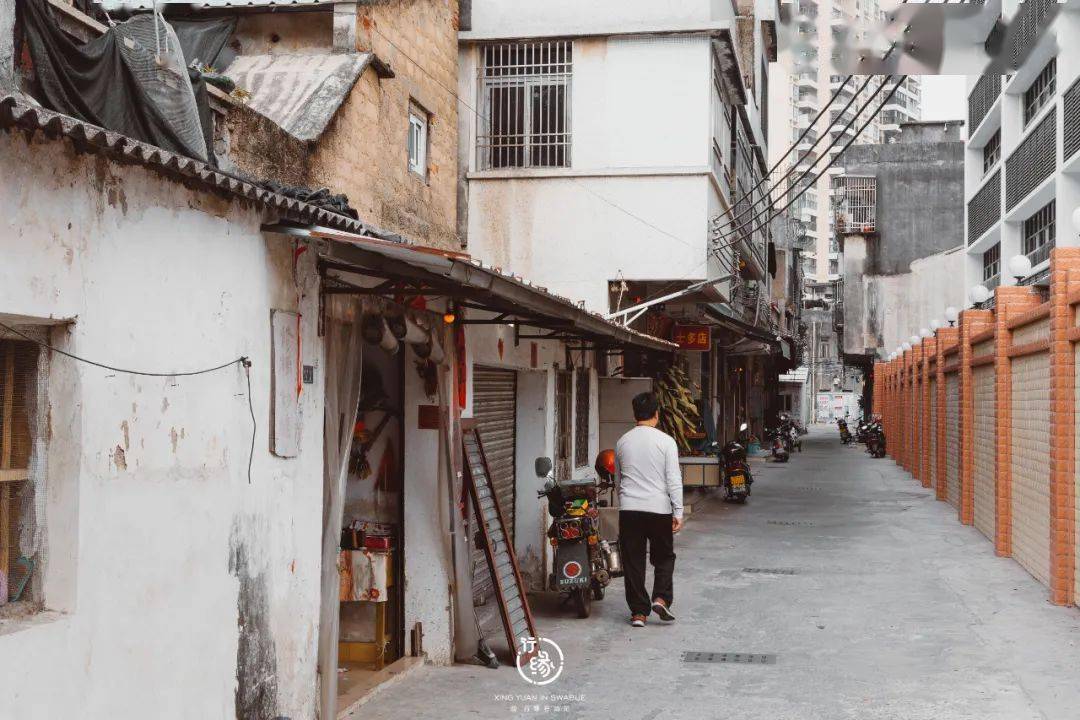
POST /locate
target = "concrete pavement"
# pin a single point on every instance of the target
(892, 610)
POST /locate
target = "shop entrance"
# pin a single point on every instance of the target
(371, 562)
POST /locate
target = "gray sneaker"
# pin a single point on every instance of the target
(662, 611)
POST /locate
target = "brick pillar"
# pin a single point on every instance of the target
(1064, 279)
(929, 349)
(946, 337)
(971, 323)
(887, 414)
(915, 452)
(905, 410)
(1008, 302)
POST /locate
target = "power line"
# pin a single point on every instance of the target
(807, 186)
(809, 127)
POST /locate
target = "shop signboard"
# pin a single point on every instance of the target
(693, 337)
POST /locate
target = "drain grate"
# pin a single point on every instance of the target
(797, 523)
(729, 657)
(770, 571)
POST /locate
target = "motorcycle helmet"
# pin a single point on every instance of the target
(605, 464)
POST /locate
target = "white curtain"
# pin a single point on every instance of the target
(342, 375)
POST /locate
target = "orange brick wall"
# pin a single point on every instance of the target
(985, 413)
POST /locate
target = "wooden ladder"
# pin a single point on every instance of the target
(513, 605)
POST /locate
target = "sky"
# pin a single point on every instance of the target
(944, 97)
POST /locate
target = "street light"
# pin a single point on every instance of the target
(979, 294)
(935, 325)
(913, 340)
(951, 314)
(1019, 267)
(906, 346)
(925, 332)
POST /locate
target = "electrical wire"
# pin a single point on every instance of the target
(770, 208)
(43, 344)
(795, 184)
(768, 193)
(242, 360)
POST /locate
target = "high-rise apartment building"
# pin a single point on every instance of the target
(805, 77)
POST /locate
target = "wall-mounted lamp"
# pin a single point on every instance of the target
(935, 325)
(1019, 267)
(925, 333)
(951, 315)
(979, 294)
(906, 346)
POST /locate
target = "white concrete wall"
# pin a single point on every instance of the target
(906, 303)
(166, 574)
(527, 18)
(636, 200)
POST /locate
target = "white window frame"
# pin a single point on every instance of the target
(418, 138)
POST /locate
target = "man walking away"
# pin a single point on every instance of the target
(650, 510)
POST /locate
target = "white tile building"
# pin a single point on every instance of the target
(1022, 163)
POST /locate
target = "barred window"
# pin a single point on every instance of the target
(992, 152)
(525, 105)
(991, 261)
(1040, 233)
(1040, 92)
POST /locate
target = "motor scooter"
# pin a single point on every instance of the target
(737, 475)
(584, 563)
(845, 434)
(779, 451)
(875, 439)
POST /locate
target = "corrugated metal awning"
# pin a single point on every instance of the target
(300, 93)
(458, 276)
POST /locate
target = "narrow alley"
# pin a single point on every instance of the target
(875, 602)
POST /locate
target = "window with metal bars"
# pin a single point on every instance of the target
(525, 105)
(20, 419)
(581, 419)
(1040, 92)
(1040, 233)
(992, 152)
(991, 261)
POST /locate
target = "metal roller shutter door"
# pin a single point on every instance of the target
(1031, 464)
(495, 411)
(983, 452)
(933, 432)
(952, 438)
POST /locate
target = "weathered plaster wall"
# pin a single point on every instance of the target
(174, 587)
(574, 229)
(920, 197)
(898, 306)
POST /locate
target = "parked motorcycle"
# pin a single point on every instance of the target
(862, 428)
(778, 441)
(584, 563)
(790, 433)
(845, 434)
(737, 475)
(875, 439)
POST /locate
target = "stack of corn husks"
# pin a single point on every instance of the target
(679, 414)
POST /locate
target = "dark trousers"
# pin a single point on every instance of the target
(637, 528)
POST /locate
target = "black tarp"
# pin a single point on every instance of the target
(113, 80)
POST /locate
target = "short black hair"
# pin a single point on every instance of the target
(645, 406)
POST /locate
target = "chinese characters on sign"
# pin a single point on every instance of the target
(693, 337)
